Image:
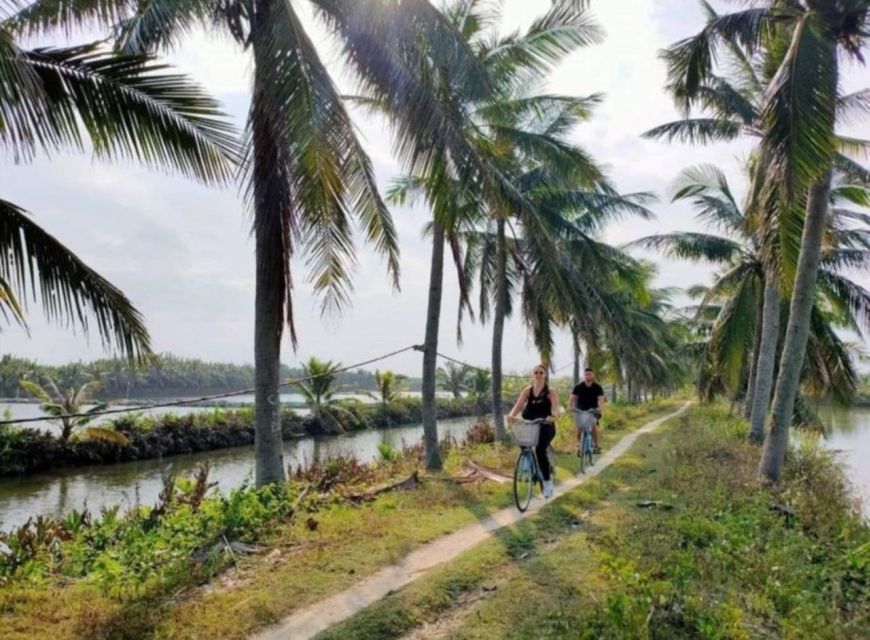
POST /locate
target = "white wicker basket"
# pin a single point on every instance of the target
(526, 433)
(583, 419)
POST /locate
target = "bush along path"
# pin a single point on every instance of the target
(675, 540)
(220, 566)
(326, 613)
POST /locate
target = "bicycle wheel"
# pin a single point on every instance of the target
(590, 454)
(585, 449)
(524, 474)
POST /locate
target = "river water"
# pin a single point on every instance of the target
(140, 482)
(849, 436)
(56, 493)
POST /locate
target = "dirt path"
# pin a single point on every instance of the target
(318, 617)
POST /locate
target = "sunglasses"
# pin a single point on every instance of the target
(539, 373)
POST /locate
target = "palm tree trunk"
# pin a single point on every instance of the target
(430, 348)
(797, 332)
(270, 289)
(576, 339)
(498, 330)
(753, 364)
(766, 359)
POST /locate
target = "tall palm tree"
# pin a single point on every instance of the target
(732, 98)
(306, 173)
(497, 128)
(121, 106)
(740, 291)
(799, 149)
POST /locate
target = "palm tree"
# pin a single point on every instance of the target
(453, 378)
(306, 173)
(494, 126)
(480, 385)
(800, 41)
(62, 404)
(124, 106)
(741, 291)
(389, 387)
(733, 103)
(318, 391)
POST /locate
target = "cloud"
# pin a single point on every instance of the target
(183, 253)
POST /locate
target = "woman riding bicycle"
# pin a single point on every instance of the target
(539, 402)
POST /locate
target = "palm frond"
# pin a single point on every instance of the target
(129, 108)
(560, 31)
(69, 289)
(691, 246)
(696, 130)
(854, 107)
(799, 112)
(690, 61)
(9, 305)
(315, 153)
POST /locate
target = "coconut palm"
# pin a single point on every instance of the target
(121, 106)
(800, 42)
(740, 292)
(732, 101)
(319, 390)
(62, 404)
(496, 128)
(389, 387)
(306, 173)
(453, 378)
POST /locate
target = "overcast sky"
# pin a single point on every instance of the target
(183, 254)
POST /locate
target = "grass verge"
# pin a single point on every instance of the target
(715, 556)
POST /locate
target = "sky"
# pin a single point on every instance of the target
(184, 256)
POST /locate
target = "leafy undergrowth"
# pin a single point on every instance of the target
(713, 555)
(179, 571)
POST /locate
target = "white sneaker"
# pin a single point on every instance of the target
(548, 488)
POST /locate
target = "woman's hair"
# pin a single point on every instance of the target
(546, 371)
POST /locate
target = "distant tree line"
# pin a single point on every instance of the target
(165, 376)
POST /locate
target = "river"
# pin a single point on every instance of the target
(129, 483)
(56, 493)
(849, 435)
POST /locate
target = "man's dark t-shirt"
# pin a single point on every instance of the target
(587, 395)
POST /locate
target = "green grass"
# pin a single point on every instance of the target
(720, 564)
(321, 551)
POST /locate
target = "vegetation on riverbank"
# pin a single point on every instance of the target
(24, 451)
(155, 572)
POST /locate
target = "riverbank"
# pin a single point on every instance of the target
(28, 451)
(176, 573)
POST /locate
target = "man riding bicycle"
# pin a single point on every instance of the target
(588, 396)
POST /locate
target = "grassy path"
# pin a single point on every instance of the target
(323, 614)
(710, 558)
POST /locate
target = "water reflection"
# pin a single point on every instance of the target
(132, 483)
(849, 434)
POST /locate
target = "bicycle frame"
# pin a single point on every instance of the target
(586, 419)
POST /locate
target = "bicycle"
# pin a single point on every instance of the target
(584, 419)
(527, 472)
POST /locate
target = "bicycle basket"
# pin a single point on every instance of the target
(583, 419)
(526, 433)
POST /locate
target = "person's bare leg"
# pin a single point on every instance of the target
(595, 430)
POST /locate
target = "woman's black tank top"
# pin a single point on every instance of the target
(538, 406)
